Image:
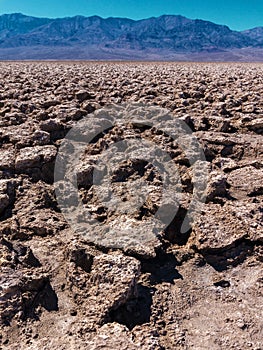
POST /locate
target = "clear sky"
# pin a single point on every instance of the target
(237, 14)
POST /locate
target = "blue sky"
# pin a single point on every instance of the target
(237, 14)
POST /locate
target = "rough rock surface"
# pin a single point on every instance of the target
(201, 289)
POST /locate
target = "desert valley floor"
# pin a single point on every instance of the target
(199, 289)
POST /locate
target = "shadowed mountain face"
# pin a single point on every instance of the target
(17, 25)
(165, 37)
(256, 34)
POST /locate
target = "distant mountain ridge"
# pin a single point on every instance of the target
(168, 37)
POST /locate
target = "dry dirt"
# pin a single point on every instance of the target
(196, 290)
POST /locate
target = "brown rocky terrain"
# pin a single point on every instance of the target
(199, 289)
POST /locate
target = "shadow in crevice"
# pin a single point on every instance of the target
(162, 268)
(257, 192)
(173, 233)
(48, 299)
(136, 311)
(221, 259)
(45, 297)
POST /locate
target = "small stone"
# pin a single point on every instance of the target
(41, 137)
(222, 283)
(50, 103)
(83, 95)
(241, 324)
(73, 312)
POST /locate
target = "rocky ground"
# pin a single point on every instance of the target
(201, 289)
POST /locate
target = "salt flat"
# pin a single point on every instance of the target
(62, 288)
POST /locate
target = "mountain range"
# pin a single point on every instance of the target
(168, 37)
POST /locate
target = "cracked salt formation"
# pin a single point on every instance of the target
(200, 289)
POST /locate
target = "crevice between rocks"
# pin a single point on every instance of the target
(136, 311)
(233, 255)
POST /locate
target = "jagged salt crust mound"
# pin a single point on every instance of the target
(194, 288)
